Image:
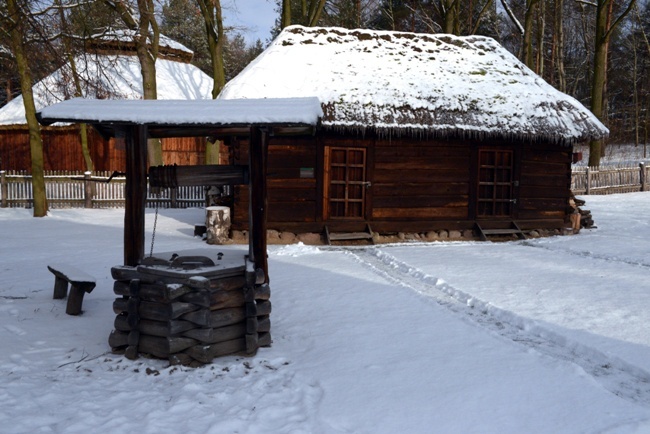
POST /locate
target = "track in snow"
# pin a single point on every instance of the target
(617, 376)
(585, 254)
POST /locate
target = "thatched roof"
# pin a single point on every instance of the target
(112, 77)
(122, 41)
(408, 83)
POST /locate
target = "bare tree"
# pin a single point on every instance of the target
(146, 38)
(15, 17)
(604, 31)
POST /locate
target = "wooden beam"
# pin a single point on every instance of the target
(174, 176)
(135, 193)
(257, 158)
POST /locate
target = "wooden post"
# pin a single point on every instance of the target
(5, 190)
(135, 193)
(588, 188)
(642, 175)
(88, 191)
(257, 193)
(173, 197)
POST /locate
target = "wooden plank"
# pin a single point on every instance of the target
(154, 328)
(406, 189)
(135, 193)
(213, 272)
(205, 353)
(258, 198)
(157, 292)
(350, 236)
(292, 211)
(156, 311)
(164, 347)
(420, 201)
(418, 213)
(173, 176)
(215, 335)
(421, 176)
(216, 318)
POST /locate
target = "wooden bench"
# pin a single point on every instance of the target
(80, 283)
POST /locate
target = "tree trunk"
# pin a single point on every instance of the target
(211, 11)
(83, 131)
(604, 29)
(35, 141)
(528, 56)
(147, 55)
(286, 14)
(557, 50)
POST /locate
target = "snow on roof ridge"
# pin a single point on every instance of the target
(128, 35)
(112, 77)
(398, 82)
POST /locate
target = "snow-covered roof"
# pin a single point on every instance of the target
(123, 41)
(128, 36)
(303, 111)
(112, 77)
(395, 82)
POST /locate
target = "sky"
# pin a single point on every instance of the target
(257, 16)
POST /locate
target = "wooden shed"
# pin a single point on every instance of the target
(109, 70)
(420, 132)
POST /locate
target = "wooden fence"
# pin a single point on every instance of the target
(609, 180)
(78, 190)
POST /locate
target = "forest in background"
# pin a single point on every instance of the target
(597, 51)
(555, 38)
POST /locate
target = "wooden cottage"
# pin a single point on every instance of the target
(110, 70)
(420, 132)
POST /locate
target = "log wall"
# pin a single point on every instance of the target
(420, 181)
(189, 321)
(545, 182)
(417, 184)
(62, 150)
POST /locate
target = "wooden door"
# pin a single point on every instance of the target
(495, 183)
(345, 183)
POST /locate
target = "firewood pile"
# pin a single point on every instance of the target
(190, 310)
(586, 220)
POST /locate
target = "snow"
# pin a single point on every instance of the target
(413, 81)
(114, 77)
(128, 35)
(543, 335)
(188, 112)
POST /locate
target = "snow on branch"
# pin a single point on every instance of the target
(512, 16)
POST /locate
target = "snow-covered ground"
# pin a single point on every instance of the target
(548, 335)
(617, 155)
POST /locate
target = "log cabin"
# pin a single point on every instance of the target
(108, 70)
(420, 132)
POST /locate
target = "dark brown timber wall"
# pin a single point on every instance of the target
(415, 185)
(62, 150)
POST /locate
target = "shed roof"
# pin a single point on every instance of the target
(167, 118)
(395, 83)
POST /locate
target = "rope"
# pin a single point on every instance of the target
(155, 223)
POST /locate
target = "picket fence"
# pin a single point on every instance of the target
(609, 180)
(68, 189)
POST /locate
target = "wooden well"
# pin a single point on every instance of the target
(190, 307)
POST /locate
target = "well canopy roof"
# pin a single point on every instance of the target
(188, 115)
(395, 82)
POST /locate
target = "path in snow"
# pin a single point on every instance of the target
(619, 377)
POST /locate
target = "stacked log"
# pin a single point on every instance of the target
(189, 320)
(586, 219)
